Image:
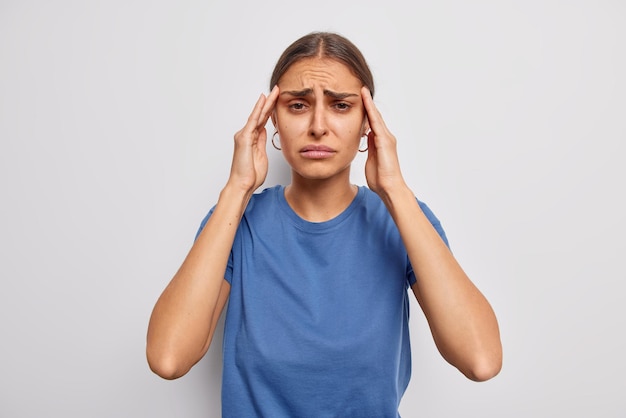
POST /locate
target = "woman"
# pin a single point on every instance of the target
(316, 273)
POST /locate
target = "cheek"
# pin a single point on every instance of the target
(286, 134)
(289, 134)
(289, 126)
(348, 128)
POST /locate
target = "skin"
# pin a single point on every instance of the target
(320, 105)
(321, 110)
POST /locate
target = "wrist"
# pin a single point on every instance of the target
(236, 188)
(234, 195)
(391, 191)
(395, 195)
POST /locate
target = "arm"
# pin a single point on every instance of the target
(185, 316)
(462, 322)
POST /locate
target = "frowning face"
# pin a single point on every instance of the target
(320, 118)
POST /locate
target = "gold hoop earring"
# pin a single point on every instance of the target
(273, 143)
(364, 139)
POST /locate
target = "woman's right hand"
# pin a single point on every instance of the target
(249, 166)
(185, 317)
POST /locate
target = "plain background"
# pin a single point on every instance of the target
(116, 125)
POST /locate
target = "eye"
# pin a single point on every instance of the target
(342, 106)
(297, 106)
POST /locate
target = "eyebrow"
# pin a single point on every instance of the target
(307, 92)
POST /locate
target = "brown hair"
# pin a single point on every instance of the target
(324, 45)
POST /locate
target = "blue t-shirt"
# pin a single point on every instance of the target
(317, 318)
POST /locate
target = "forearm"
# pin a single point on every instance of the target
(184, 317)
(462, 322)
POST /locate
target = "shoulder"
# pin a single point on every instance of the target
(428, 212)
(372, 201)
(434, 221)
(260, 202)
(267, 196)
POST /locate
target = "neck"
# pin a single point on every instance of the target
(320, 200)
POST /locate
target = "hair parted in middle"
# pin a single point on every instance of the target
(325, 45)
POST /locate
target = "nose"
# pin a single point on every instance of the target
(318, 126)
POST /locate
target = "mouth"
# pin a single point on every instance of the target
(317, 152)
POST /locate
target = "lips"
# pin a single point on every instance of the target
(317, 152)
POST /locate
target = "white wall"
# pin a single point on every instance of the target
(116, 122)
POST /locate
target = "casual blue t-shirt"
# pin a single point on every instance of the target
(317, 318)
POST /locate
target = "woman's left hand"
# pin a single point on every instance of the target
(382, 169)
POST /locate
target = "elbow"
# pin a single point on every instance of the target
(483, 372)
(484, 367)
(165, 366)
(165, 371)
(478, 361)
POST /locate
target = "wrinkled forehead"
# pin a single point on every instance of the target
(311, 73)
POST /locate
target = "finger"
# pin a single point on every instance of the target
(377, 124)
(371, 143)
(251, 124)
(268, 108)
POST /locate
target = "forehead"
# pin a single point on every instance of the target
(322, 72)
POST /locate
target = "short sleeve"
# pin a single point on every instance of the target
(434, 222)
(228, 274)
(437, 225)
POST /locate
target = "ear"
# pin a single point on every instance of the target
(273, 116)
(365, 126)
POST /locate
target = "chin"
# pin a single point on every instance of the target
(321, 174)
